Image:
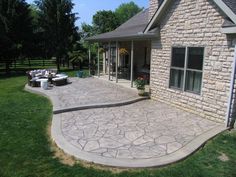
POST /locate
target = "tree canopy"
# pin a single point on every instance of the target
(126, 10)
(58, 23)
(105, 21)
(15, 30)
(44, 29)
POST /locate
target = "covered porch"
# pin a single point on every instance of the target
(125, 53)
(124, 61)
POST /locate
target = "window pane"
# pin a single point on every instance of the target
(178, 57)
(113, 55)
(193, 81)
(195, 58)
(176, 78)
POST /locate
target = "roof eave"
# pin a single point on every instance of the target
(226, 10)
(160, 11)
(229, 30)
(125, 38)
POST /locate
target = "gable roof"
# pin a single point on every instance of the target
(227, 6)
(132, 29)
(231, 4)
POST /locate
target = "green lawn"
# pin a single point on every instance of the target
(25, 148)
(72, 73)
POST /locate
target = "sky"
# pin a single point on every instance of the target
(87, 8)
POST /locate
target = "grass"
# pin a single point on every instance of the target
(72, 73)
(25, 149)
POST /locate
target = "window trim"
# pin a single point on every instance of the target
(185, 69)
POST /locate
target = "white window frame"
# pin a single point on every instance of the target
(185, 69)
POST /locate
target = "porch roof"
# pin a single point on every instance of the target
(132, 29)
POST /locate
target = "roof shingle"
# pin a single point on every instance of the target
(133, 27)
(231, 4)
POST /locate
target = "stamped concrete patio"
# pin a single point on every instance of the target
(142, 134)
(88, 92)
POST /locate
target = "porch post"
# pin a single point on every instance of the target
(117, 57)
(98, 61)
(89, 59)
(132, 63)
(104, 61)
(109, 61)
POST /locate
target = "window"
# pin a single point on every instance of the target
(186, 68)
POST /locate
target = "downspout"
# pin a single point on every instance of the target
(232, 82)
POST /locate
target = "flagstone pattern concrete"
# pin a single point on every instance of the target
(144, 130)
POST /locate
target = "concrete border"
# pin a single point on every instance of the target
(176, 156)
(89, 106)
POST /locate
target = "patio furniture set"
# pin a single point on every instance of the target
(42, 78)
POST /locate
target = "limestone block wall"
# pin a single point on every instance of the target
(194, 24)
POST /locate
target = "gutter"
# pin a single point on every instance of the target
(229, 30)
(138, 36)
(229, 120)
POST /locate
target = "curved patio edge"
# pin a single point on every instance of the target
(174, 157)
(89, 106)
(27, 88)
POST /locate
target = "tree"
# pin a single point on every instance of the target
(58, 23)
(126, 10)
(104, 21)
(37, 47)
(87, 30)
(77, 56)
(15, 30)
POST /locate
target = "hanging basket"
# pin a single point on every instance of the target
(123, 51)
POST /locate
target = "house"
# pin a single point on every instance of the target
(187, 48)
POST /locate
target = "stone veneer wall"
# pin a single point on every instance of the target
(153, 5)
(194, 23)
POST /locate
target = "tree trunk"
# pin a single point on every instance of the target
(7, 69)
(29, 63)
(58, 64)
(68, 62)
(80, 65)
(63, 62)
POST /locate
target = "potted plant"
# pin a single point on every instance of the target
(140, 85)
